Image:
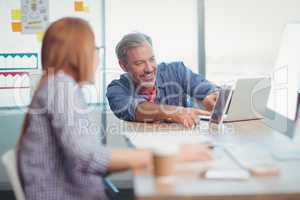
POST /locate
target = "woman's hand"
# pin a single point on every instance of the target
(194, 152)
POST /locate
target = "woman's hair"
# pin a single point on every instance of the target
(69, 42)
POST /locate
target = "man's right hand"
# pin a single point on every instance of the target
(189, 117)
(150, 112)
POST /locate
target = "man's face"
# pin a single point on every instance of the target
(141, 64)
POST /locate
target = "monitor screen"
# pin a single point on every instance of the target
(284, 124)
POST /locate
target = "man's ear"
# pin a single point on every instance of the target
(123, 65)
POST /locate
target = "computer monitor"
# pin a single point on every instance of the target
(285, 74)
(282, 123)
(288, 127)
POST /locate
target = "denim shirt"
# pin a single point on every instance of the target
(175, 83)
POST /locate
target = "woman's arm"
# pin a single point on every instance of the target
(125, 159)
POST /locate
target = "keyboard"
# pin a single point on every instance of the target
(248, 155)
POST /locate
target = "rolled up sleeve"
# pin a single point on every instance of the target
(194, 85)
(122, 101)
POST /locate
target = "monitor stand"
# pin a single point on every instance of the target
(291, 149)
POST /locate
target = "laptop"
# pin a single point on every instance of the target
(249, 99)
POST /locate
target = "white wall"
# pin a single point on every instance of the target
(243, 36)
(15, 42)
(171, 24)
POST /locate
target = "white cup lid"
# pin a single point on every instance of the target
(165, 149)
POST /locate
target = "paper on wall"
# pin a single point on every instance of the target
(35, 15)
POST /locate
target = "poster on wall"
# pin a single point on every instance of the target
(35, 15)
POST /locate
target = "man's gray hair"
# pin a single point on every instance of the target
(131, 40)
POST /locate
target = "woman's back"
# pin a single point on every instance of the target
(60, 155)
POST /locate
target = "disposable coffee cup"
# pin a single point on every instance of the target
(164, 160)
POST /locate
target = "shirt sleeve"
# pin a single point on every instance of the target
(77, 131)
(122, 101)
(194, 85)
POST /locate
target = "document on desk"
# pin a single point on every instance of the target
(149, 139)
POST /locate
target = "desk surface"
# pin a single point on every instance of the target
(189, 185)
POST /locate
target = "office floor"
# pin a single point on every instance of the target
(125, 194)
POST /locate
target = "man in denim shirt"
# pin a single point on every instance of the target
(150, 92)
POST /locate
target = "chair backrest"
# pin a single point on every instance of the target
(10, 162)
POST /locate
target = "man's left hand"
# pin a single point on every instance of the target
(210, 100)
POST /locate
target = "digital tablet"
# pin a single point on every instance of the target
(222, 102)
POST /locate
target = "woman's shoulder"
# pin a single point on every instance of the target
(53, 87)
(56, 82)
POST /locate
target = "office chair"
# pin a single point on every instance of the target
(10, 163)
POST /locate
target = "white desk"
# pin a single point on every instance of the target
(188, 185)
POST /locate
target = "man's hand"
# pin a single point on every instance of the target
(210, 100)
(189, 117)
(150, 112)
